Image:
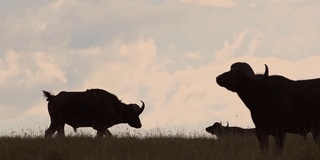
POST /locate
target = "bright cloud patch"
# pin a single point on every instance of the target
(214, 3)
(27, 71)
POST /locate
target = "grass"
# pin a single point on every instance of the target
(152, 146)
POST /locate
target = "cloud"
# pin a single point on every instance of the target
(213, 3)
(57, 4)
(9, 66)
(27, 71)
(193, 55)
(47, 70)
(247, 41)
(228, 49)
(128, 68)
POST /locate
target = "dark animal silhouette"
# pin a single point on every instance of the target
(219, 130)
(95, 108)
(277, 104)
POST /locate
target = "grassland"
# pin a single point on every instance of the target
(159, 147)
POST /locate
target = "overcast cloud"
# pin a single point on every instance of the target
(165, 52)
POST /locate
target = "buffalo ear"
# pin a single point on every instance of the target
(248, 72)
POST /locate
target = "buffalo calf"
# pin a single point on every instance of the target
(219, 130)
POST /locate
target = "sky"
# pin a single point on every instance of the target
(164, 52)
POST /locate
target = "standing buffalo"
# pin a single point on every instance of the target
(219, 130)
(94, 108)
(277, 104)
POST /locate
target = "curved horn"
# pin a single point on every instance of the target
(266, 72)
(141, 109)
(247, 70)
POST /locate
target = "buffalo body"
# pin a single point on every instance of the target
(277, 104)
(94, 108)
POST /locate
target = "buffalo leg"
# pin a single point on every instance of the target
(280, 137)
(103, 132)
(315, 135)
(51, 130)
(107, 133)
(61, 130)
(263, 140)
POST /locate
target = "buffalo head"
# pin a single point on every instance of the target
(217, 128)
(132, 115)
(240, 76)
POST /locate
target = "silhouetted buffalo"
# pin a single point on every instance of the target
(95, 108)
(277, 104)
(219, 130)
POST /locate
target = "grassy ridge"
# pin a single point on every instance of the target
(171, 147)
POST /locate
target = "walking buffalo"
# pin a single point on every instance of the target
(94, 108)
(219, 130)
(277, 104)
